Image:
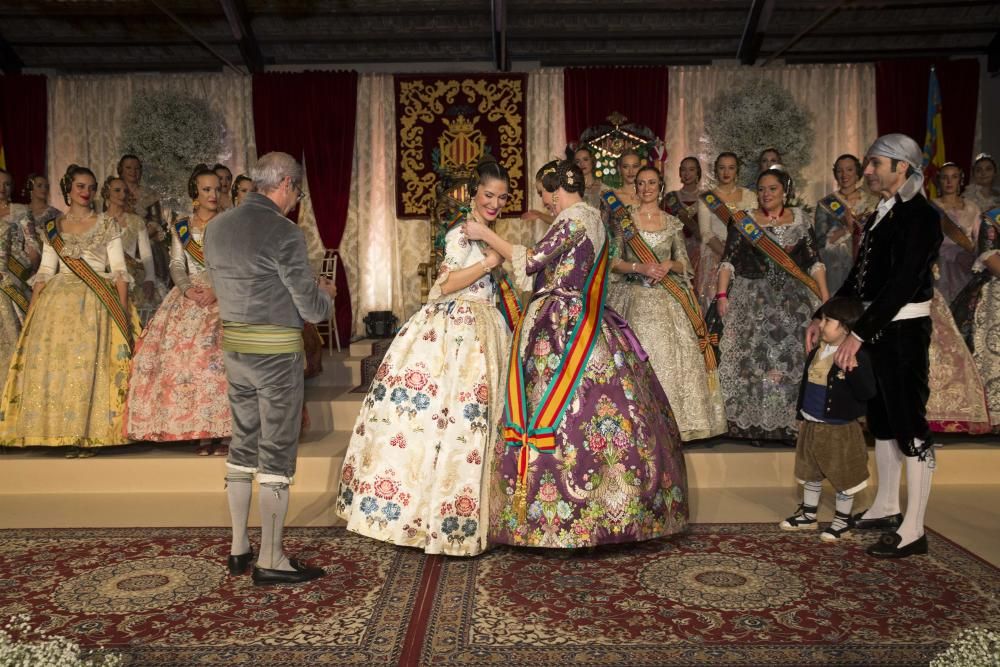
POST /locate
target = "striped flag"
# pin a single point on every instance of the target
(934, 139)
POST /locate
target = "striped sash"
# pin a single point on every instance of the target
(16, 296)
(684, 296)
(832, 205)
(537, 431)
(105, 291)
(17, 292)
(952, 230)
(760, 240)
(673, 205)
(192, 247)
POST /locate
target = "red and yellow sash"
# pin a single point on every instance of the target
(103, 288)
(537, 431)
(706, 342)
(760, 240)
(673, 205)
(952, 230)
(21, 273)
(509, 305)
(192, 247)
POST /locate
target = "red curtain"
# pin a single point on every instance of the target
(311, 116)
(593, 93)
(901, 102)
(24, 107)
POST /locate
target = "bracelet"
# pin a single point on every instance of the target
(722, 295)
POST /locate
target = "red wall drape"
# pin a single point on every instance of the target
(24, 114)
(311, 115)
(593, 93)
(901, 102)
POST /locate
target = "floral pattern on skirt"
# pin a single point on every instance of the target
(68, 378)
(413, 473)
(178, 389)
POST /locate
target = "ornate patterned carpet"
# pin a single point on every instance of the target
(735, 594)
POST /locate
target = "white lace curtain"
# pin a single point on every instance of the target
(86, 114)
(841, 99)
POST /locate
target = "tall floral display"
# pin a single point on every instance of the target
(754, 115)
(171, 135)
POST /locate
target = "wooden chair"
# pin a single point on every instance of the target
(328, 329)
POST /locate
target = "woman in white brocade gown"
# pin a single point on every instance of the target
(416, 467)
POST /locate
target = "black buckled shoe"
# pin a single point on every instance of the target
(888, 547)
(238, 564)
(891, 522)
(299, 574)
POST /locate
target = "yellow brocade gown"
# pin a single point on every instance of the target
(68, 378)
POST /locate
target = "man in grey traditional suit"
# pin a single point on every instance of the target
(257, 262)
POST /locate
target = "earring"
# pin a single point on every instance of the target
(555, 198)
(195, 204)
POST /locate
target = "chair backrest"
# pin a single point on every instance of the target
(329, 267)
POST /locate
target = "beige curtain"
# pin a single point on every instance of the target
(86, 113)
(370, 249)
(841, 99)
(546, 123)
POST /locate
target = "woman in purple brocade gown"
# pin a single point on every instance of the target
(613, 470)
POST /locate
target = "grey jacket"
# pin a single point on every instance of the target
(258, 266)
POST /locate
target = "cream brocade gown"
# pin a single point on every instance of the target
(667, 335)
(68, 378)
(415, 470)
(12, 242)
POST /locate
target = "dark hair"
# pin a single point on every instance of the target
(199, 170)
(787, 184)
(910, 171)
(219, 165)
(715, 167)
(127, 156)
(852, 158)
(572, 150)
(843, 309)
(66, 182)
(697, 164)
(983, 157)
(106, 189)
(488, 169)
(236, 185)
(549, 166)
(29, 184)
(567, 176)
(626, 152)
(769, 149)
(961, 174)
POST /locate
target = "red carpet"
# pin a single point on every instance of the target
(741, 594)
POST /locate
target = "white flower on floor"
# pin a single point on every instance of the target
(20, 644)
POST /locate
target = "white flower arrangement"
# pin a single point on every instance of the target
(753, 116)
(20, 645)
(974, 647)
(171, 135)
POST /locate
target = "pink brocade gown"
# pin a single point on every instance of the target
(178, 388)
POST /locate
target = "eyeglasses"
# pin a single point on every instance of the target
(301, 195)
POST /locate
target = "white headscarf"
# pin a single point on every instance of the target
(902, 147)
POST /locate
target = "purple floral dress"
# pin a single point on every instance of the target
(617, 473)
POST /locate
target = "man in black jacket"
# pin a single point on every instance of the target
(892, 276)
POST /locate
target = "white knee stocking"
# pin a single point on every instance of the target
(889, 462)
(919, 475)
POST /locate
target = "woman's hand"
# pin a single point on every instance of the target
(722, 305)
(532, 215)
(203, 296)
(492, 258)
(652, 270)
(475, 230)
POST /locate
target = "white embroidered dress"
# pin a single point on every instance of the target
(414, 472)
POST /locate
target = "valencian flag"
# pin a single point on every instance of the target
(934, 139)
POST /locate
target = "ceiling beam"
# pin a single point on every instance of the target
(753, 32)
(10, 62)
(823, 18)
(239, 22)
(498, 15)
(183, 26)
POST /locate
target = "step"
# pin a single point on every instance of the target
(333, 408)
(340, 369)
